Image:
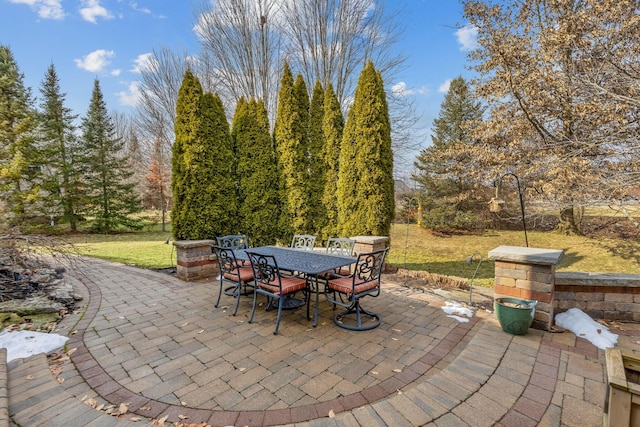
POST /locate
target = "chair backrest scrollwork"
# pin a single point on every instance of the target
(369, 266)
(265, 269)
(303, 241)
(235, 242)
(340, 246)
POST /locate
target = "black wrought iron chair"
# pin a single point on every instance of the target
(271, 282)
(347, 291)
(339, 246)
(303, 241)
(235, 242)
(232, 273)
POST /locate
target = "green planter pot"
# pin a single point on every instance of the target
(515, 315)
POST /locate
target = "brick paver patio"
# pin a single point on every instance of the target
(158, 345)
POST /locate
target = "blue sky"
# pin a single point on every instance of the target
(86, 39)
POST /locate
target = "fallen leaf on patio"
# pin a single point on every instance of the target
(134, 419)
(183, 403)
(599, 331)
(374, 372)
(183, 417)
(121, 317)
(91, 402)
(160, 422)
(185, 324)
(145, 408)
(201, 331)
(397, 371)
(73, 350)
(396, 330)
(124, 408)
(399, 391)
(60, 380)
(242, 369)
(394, 339)
(332, 414)
(74, 332)
(83, 398)
(29, 377)
(582, 335)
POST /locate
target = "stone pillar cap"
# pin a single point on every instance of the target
(192, 243)
(525, 255)
(370, 239)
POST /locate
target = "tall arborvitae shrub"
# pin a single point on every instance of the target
(365, 178)
(290, 136)
(317, 167)
(257, 173)
(187, 126)
(212, 199)
(109, 198)
(332, 127)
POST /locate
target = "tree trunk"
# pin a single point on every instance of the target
(567, 222)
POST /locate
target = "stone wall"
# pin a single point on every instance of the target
(600, 295)
(529, 274)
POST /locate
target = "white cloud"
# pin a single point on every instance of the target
(444, 87)
(143, 62)
(131, 95)
(96, 61)
(46, 9)
(92, 9)
(467, 36)
(116, 72)
(402, 89)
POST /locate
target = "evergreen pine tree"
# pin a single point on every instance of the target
(449, 193)
(317, 167)
(19, 158)
(257, 173)
(59, 145)
(332, 127)
(109, 197)
(365, 178)
(290, 136)
(187, 127)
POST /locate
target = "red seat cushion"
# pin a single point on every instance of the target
(246, 274)
(289, 285)
(344, 285)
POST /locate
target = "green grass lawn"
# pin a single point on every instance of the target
(411, 246)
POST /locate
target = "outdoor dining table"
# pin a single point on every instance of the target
(310, 263)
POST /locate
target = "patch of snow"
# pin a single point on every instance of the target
(22, 344)
(583, 326)
(456, 310)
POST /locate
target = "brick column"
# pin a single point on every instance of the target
(529, 274)
(366, 244)
(195, 260)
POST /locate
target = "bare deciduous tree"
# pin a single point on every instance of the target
(241, 43)
(324, 40)
(550, 72)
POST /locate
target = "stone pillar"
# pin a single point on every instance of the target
(529, 274)
(366, 244)
(195, 259)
